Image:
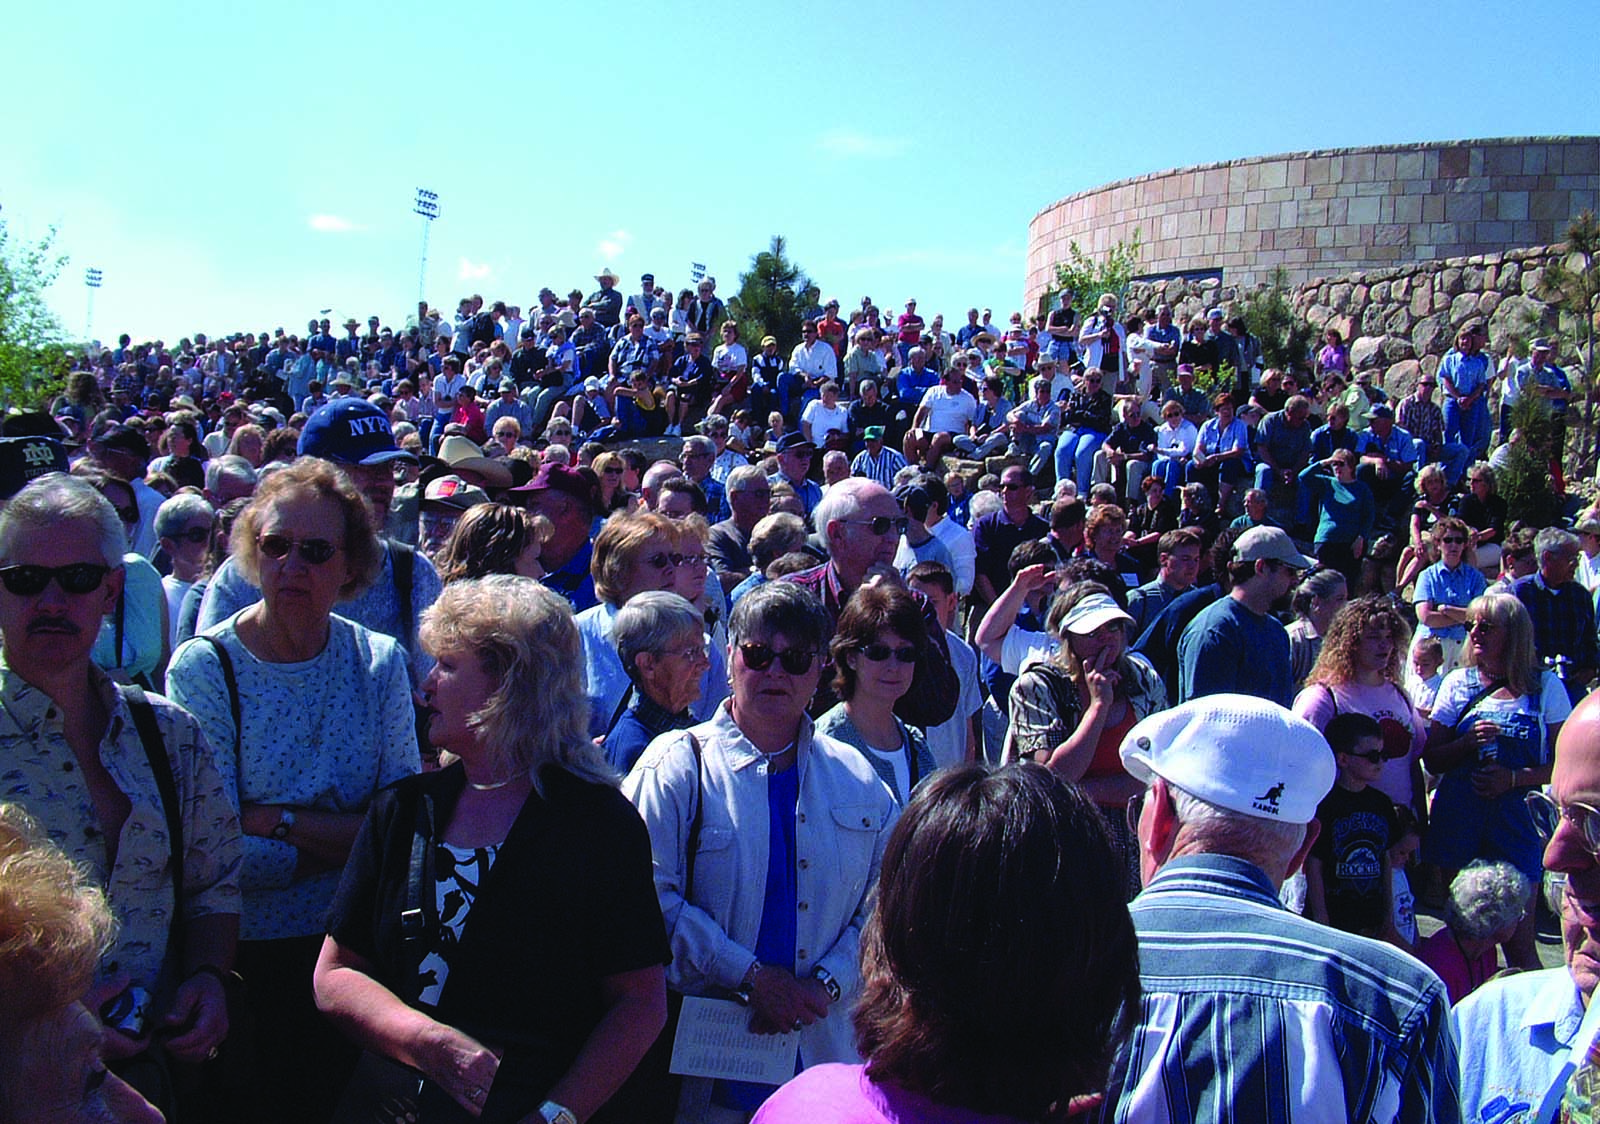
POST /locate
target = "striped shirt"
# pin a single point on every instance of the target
(1251, 1012)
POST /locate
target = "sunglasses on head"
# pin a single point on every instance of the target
(759, 657)
(312, 551)
(30, 581)
(877, 653)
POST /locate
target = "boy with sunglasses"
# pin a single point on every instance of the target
(1348, 884)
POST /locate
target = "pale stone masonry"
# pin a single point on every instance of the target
(1319, 214)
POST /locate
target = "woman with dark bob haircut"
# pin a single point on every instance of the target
(494, 538)
(875, 650)
(962, 1011)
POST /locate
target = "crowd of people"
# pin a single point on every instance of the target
(436, 707)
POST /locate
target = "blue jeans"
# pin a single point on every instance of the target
(1469, 427)
(1075, 455)
(1170, 469)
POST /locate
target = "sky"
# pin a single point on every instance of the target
(242, 166)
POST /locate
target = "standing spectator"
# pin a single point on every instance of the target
(1345, 512)
(1345, 1028)
(1419, 416)
(1178, 557)
(1466, 375)
(955, 739)
(1445, 589)
(1561, 610)
(1235, 645)
(763, 888)
(1348, 883)
(1101, 340)
(1317, 600)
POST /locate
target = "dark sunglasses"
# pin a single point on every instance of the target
(877, 653)
(664, 561)
(30, 581)
(192, 535)
(1455, 539)
(1375, 756)
(881, 524)
(312, 551)
(759, 657)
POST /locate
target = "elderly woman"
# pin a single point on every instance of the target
(1491, 740)
(1070, 712)
(1359, 670)
(960, 1018)
(875, 649)
(661, 642)
(502, 1009)
(1485, 903)
(309, 714)
(183, 525)
(1316, 601)
(54, 928)
(495, 538)
(632, 554)
(767, 838)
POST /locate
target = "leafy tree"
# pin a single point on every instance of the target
(774, 295)
(1089, 279)
(1525, 481)
(1269, 314)
(1572, 284)
(32, 355)
(33, 358)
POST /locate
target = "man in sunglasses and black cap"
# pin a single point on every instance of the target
(354, 435)
(101, 768)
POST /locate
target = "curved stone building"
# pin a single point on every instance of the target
(1317, 214)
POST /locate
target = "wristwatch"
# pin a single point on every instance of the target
(829, 984)
(552, 1113)
(285, 824)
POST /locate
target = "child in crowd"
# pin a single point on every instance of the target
(1348, 881)
(958, 505)
(742, 431)
(1407, 842)
(1427, 672)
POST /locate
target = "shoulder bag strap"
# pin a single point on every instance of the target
(155, 752)
(1466, 711)
(694, 819)
(232, 683)
(405, 564)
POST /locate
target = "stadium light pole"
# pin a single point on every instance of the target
(426, 205)
(91, 280)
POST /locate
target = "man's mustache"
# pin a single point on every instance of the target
(53, 625)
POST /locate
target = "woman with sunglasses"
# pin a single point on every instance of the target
(309, 715)
(767, 837)
(183, 526)
(1491, 740)
(1446, 588)
(875, 648)
(632, 554)
(1070, 712)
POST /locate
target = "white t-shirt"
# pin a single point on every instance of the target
(1517, 718)
(949, 413)
(824, 421)
(948, 740)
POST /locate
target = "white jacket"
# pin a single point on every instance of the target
(842, 823)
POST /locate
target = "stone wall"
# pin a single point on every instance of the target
(1401, 321)
(1316, 214)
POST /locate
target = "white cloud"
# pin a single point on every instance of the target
(849, 144)
(472, 271)
(613, 244)
(330, 224)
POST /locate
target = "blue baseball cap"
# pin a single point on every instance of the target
(351, 431)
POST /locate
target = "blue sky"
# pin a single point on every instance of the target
(242, 166)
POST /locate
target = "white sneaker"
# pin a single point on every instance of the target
(674, 431)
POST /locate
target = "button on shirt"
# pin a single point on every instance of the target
(1251, 1012)
(39, 771)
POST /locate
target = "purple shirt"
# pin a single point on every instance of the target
(844, 1094)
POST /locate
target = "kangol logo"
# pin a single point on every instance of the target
(1268, 801)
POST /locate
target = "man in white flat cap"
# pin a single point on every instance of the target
(1251, 1012)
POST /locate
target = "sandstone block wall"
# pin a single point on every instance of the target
(1318, 214)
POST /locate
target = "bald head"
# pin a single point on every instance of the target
(1575, 787)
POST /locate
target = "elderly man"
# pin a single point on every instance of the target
(728, 546)
(794, 462)
(606, 301)
(861, 524)
(355, 436)
(1528, 1050)
(570, 499)
(696, 459)
(1001, 532)
(1282, 448)
(1561, 609)
(1388, 462)
(123, 782)
(1235, 644)
(1251, 1012)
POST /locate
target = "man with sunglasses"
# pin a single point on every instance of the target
(354, 435)
(1520, 1034)
(861, 524)
(1001, 532)
(82, 758)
